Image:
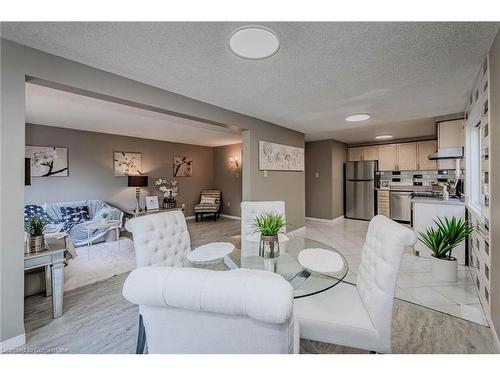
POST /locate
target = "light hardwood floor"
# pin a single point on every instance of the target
(97, 319)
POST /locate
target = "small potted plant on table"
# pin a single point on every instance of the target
(36, 240)
(170, 191)
(270, 225)
(447, 235)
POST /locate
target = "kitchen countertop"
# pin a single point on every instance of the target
(406, 188)
(429, 200)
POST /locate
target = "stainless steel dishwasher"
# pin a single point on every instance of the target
(400, 205)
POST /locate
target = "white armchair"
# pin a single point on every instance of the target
(250, 210)
(189, 310)
(360, 315)
(159, 240)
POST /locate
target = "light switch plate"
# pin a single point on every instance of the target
(316, 174)
(265, 173)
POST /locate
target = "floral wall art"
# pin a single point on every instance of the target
(183, 166)
(48, 161)
(277, 157)
(127, 163)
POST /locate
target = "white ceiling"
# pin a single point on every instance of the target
(47, 106)
(398, 72)
(362, 133)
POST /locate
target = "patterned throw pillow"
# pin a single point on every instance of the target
(33, 209)
(207, 200)
(74, 215)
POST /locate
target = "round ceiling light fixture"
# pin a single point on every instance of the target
(383, 136)
(355, 117)
(254, 43)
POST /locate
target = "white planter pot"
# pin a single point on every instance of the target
(444, 269)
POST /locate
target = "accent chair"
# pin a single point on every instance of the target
(360, 315)
(210, 202)
(160, 239)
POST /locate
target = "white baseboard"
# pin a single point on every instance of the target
(328, 221)
(231, 217)
(296, 231)
(12, 343)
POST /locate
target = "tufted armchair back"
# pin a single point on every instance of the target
(192, 310)
(378, 272)
(160, 239)
(250, 210)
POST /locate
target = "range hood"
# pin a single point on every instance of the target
(448, 153)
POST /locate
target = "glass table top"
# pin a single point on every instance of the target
(305, 282)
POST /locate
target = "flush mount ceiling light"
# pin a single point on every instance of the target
(383, 136)
(254, 43)
(355, 117)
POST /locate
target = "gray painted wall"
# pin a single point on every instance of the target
(339, 157)
(494, 108)
(318, 160)
(324, 179)
(228, 178)
(17, 62)
(90, 162)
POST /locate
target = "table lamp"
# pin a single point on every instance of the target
(137, 182)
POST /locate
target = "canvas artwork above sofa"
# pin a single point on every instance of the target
(73, 218)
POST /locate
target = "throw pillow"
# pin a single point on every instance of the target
(74, 215)
(207, 200)
(33, 209)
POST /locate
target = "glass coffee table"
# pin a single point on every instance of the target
(305, 281)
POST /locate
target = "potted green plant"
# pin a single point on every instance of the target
(270, 225)
(441, 240)
(34, 228)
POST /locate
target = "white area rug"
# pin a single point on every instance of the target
(104, 260)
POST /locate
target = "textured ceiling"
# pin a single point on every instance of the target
(47, 106)
(322, 71)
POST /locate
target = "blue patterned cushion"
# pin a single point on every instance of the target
(33, 209)
(74, 215)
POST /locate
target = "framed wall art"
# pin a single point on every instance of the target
(48, 161)
(278, 157)
(127, 163)
(183, 166)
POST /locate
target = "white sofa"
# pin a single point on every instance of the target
(189, 310)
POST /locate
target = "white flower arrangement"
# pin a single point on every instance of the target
(169, 189)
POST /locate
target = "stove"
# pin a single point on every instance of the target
(427, 194)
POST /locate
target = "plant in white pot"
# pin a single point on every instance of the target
(34, 228)
(270, 225)
(447, 235)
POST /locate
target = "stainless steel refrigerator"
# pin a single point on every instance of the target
(359, 189)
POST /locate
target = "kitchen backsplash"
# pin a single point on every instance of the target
(417, 178)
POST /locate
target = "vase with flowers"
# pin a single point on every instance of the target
(170, 191)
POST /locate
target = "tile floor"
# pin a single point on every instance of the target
(415, 283)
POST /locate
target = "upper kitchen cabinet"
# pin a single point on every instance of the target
(355, 153)
(370, 153)
(450, 134)
(363, 153)
(387, 157)
(407, 156)
(424, 149)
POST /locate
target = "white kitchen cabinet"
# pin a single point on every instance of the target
(387, 157)
(355, 153)
(407, 156)
(370, 153)
(424, 149)
(450, 134)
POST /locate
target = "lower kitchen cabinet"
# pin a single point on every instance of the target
(383, 207)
